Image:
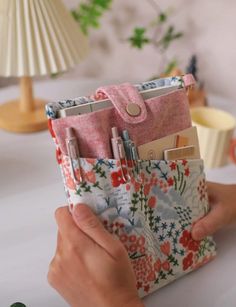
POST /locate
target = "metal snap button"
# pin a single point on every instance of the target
(133, 109)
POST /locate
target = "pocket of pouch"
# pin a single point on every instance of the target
(183, 180)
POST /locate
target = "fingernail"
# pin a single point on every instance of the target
(198, 233)
(81, 212)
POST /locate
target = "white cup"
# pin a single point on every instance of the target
(215, 131)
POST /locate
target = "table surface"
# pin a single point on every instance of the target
(30, 191)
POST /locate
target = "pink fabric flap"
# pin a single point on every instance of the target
(166, 114)
(121, 95)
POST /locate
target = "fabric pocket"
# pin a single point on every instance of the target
(152, 212)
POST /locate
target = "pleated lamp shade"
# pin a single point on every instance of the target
(37, 37)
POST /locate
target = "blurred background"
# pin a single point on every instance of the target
(207, 32)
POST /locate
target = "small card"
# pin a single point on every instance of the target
(155, 149)
(187, 152)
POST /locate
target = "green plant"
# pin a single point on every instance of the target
(158, 33)
(17, 305)
(88, 13)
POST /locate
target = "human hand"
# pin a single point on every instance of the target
(222, 199)
(91, 267)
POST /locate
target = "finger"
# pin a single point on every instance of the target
(212, 190)
(209, 224)
(89, 223)
(69, 232)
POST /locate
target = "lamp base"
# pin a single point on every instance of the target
(12, 119)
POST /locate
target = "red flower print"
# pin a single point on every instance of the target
(123, 238)
(188, 261)
(166, 265)
(157, 265)
(50, 128)
(146, 190)
(127, 187)
(184, 162)
(90, 177)
(170, 182)
(151, 276)
(193, 245)
(152, 202)
(146, 288)
(139, 285)
(117, 178)
(133, 248)
(186, 237)
(132, 238)
(173, 166)
(186, 173)
(165, 248)
(137, 186)
(58, 156)
(90, 161)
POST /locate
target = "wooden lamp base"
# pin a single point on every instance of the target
(25, 114)
(14, 120)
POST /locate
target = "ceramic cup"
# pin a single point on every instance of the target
(215, 131)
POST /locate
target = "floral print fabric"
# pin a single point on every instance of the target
(151, 208)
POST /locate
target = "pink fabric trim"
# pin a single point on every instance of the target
(121, 95)
(165, 115)
(189, 80)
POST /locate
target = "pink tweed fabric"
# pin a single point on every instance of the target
(159, 117)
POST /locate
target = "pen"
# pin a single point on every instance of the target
(117, 145)
(130, 148)
(119, 151)
(73, 151)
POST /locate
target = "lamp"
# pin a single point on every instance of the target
(37, 37)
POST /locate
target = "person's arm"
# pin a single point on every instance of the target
(91, 267)
(222, 200)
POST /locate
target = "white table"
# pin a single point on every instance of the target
(30, 191)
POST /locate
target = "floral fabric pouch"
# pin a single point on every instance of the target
(151, 205)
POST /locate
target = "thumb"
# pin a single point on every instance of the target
(90, 224)
(209, 224)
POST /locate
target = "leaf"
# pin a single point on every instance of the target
(162, 17)
(18, 305)
(139, 38)
(173, 64)
(88, 14)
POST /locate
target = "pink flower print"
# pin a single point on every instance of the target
(165, 248)
(90, 161)
(133, 248)
(132, 238)
(90, 177)
(137, 186)
(151, 276)
(139, 285)
(152, 202)
(157, 265)
(141, 241)
(70, 183)
(184, 162)
(166, 265)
